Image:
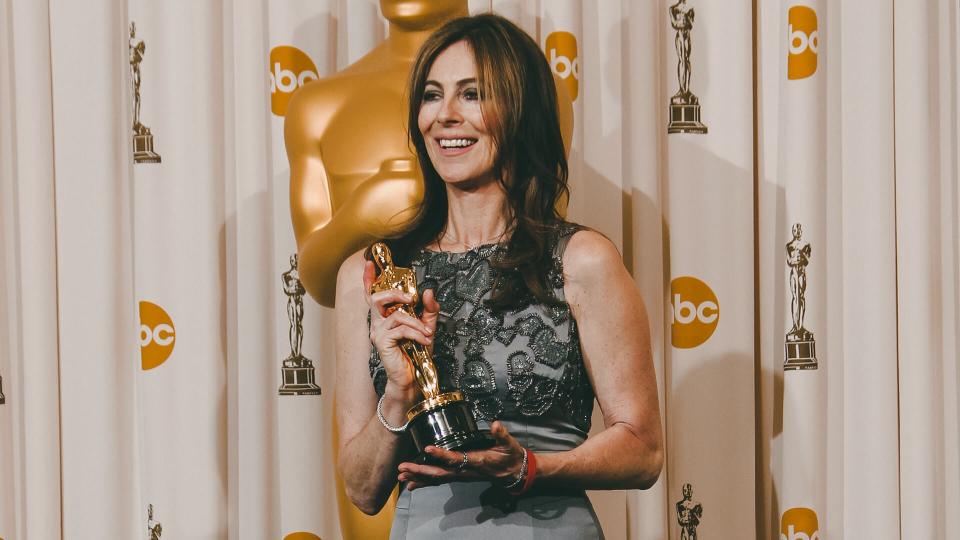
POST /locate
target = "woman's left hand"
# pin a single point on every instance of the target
(499, 464)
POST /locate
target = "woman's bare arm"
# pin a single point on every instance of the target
(368, 452)
(615, 339)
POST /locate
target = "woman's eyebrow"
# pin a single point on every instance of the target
(461, 82)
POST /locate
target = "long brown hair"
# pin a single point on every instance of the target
(519, 106)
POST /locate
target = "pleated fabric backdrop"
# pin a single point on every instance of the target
(144, 319)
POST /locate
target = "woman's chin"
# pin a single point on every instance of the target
(468, 182)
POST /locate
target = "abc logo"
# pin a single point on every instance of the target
(799, 524)
(290, 68)
(157, 335)
(694, 312)
(564, 61)
(803, 42)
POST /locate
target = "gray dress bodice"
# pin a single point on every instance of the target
(522, 366)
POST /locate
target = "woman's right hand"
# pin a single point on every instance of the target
(387, 331)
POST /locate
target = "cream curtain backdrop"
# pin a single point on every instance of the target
(143, 321)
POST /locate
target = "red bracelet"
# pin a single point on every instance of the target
(531, 475)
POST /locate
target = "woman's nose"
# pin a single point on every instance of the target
(449, 111)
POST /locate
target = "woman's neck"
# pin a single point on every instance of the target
(474, 217)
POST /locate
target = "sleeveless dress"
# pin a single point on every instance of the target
(522, 366)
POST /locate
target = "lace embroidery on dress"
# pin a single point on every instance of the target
(534, 348)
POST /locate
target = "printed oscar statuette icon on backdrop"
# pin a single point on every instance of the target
(299, 378)
(142, 138)
(2, 398)
(800, 347)
(689, 512)
(154, 528)
(446, 419)
(684, 106)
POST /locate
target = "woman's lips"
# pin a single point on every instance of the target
(455, 146)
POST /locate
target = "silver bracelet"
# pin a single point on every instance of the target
(402, 428)
(523, 473)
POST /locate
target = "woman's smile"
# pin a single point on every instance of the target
(455, 146)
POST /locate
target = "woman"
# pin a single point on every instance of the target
(529, 315)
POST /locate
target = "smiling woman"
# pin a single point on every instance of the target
(529, 316)
(483, 78)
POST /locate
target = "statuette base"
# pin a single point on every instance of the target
(800, 355)
(299, 380)
(447, 422)
(143, 149)
(685, 118)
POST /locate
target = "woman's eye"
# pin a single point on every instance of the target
(471, 94)
(431, 96)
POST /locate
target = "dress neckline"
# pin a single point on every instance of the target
(460, 253)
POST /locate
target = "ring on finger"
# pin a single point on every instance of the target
(463, 463)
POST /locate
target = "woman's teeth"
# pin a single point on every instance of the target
(456, 143)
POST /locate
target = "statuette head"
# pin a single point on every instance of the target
(381, 255)
(421, 14)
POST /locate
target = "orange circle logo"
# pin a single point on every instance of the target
(301, 536)
(694, 312)
(290, 68)
(561, 50)
(803, 42)
(799, 524)
(157, 335)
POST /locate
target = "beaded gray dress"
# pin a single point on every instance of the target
(521, 366)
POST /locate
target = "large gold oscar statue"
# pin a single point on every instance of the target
(353, 177)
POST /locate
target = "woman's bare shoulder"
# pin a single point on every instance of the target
(590, 256)
(352, 265)
(350, 277)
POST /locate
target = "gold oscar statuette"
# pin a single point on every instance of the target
(442, 419)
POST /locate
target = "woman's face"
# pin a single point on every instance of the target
(451, 121)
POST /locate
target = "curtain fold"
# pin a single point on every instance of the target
(253, 504)
(924, 101)
(706, 94)
(30, 419)
(643, 116)
(799, 256)
(871, 504)
(94, 242)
